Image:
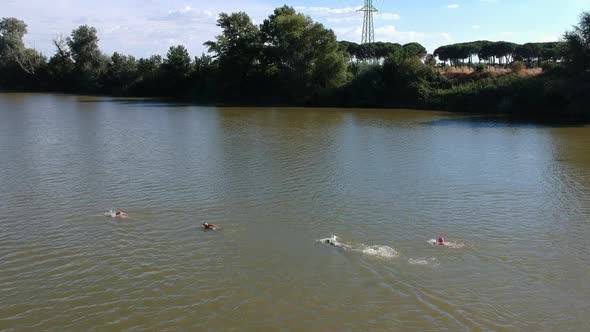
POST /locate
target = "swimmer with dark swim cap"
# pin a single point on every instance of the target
(209, 227)
(441, 241)
(116, 214)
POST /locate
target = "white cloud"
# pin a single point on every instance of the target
(184, 14)
(550, 38)
(453, 6)
(476, 26)
(326, 10)
(343, 19)
(184, 10)
(359, 18)
(137, 27)
(343, 15)
(387, 16)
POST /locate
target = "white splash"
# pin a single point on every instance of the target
(110, 213)
(380, 251)
(374, 250)
(454, 245)
(333, 241)
(422, 261)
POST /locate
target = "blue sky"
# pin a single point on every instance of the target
(145, 27)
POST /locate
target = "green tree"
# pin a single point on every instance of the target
(443, 54)
(149, 77)
(12, 46)
(415, 50)
(121, 74)
(61, 67)
(301, 54)
(89, 63)
(178, 61)
(176, 70)
(14, 56)
(577, 60)
(238, 52)
(83, 44)
(577, 45)
(238, 46)
(504, 50)
(430, 60)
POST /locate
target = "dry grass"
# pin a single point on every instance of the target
(493, 72)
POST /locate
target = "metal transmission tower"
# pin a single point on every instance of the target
(368, 27)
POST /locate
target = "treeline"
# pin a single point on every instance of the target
(291, 60)
(381, 50)
(287, 59)
(501, 53)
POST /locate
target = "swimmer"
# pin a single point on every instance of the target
(330, 242)
(116, 214)
(333, 241)
(442, 242)
(211, 227)
(120, 214)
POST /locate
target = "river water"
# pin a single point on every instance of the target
(512, 198)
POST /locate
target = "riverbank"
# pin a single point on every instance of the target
(513, 97)
(262, 69)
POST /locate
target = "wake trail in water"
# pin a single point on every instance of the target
(373, 250)
(380, 251)
(423, 261)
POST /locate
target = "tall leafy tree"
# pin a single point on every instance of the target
(303, 53)
(148, 76)
(61, 66)
(83, 44)
(12, 31)
(89, 63)
(178, 61)
(577, 45)
(121, 74)
(238, 46)
(14, 56)
(415, 50)
(237, 51)
(176, 69)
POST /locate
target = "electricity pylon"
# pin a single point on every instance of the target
(368, 26)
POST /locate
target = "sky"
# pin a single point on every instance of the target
(145, 27)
